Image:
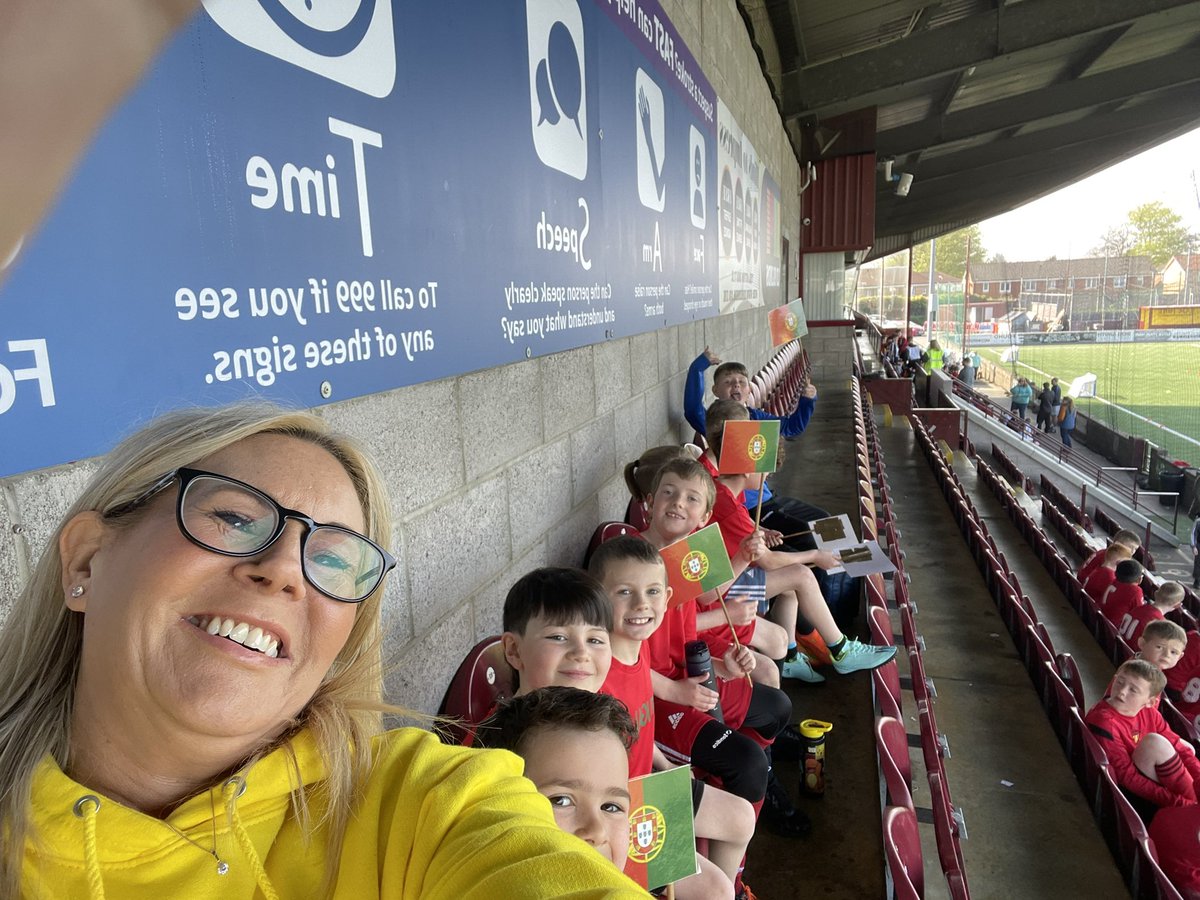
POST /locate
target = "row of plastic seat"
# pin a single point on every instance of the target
(776, 386)
(1065, 504)
(901, 837)
(1010, 469)
(1056, 679)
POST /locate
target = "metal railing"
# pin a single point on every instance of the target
(1126, 490)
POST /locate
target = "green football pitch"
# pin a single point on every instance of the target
(1160, 381)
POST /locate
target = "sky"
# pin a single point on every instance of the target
(1070, 222)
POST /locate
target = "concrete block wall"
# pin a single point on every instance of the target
(831, 352)
(497, 472)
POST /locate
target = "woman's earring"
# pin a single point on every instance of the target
(77, 591)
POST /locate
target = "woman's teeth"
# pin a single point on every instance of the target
(249, 636)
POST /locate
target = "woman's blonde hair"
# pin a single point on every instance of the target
(41, 643)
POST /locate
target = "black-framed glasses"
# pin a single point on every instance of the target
(233, 518)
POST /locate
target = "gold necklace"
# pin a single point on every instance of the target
(222, 866)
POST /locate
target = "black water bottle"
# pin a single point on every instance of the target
(700, 663)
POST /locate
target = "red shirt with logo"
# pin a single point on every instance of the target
(632, 686)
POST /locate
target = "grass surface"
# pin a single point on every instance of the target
(1158, 381)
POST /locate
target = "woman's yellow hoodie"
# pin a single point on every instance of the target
(435, 822)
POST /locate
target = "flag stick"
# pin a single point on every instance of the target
(732, 631)
(758, 510)
(671, 891)
(797, 534)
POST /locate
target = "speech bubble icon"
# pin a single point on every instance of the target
(547, 108)
(563, 57)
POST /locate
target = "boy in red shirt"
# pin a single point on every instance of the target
(1125, 594)
(1101, 577)
(1161, 644)
(734, 750)
(1144, 754)
(635, 580)
(1167, 597)
(1183, 681)
(1124, 538)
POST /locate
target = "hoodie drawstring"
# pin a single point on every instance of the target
(232, 789)
(86, 808)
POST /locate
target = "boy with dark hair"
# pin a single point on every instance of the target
(1124, 537)
(1167, 597)
(635, 580)
(575, 745)
(556, 625)
(1125, 593)
(1144, 754)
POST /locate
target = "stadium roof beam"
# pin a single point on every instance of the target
(1028, 147)
(955, 46)
(1121, 84)
(968, 197)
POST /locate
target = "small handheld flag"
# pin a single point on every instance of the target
(662, 834)
(696, 564)
(749, 446)
(783, 325)
(787, 322)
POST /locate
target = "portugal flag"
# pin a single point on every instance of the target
(749, 446)
(783, 325)
(662, 835)
(697, 564)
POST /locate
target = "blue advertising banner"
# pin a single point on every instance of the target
(312, 204)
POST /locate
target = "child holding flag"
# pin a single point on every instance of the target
(788, 577)
(733, 750)
(635, 580)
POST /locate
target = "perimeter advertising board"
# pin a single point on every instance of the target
(311, 202)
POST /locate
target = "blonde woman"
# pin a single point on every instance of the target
(190, 694)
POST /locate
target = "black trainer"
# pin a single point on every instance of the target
(779, 814)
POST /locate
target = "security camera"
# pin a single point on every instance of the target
(905, 183)
(887, 169)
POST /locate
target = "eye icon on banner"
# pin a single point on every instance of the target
(651, 142)
(557, 85)
(351, 42)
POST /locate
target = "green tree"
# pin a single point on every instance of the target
(951, 252)
(1158, 232)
